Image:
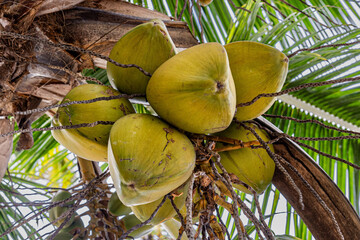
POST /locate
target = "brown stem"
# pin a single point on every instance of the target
(310, 121)
(227, 182)
(216, 139)
(188, 220)
(87, 169)
(58, 127)
(236, 147)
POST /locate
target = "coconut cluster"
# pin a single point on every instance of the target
(194, 91)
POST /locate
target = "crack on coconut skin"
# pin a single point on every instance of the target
(67, 111)
(126, 159)
(163, 33)
(123, 109)
(168, 130)
(108, 92)
(157, 180)
(133, 170)
(150, 185)
(155, 24)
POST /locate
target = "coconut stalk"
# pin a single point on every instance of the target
(101, 219)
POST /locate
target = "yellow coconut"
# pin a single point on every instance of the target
(148, 46)
(252, 166)
(89, 142)
(194, 90)
(148, 158)
(172, 226)
(204, 3)
(256, 68)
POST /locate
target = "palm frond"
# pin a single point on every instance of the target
(46, 160)
(15, 205)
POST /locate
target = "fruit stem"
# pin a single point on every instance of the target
(235, 147)
(88, 169)
(216, 139)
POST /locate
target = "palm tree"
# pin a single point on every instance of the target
(45, 47)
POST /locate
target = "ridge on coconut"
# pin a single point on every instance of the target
(147, 158)
(89, 142)
(194, 90)
(148, 46)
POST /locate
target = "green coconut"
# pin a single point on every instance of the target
(77, 225)
(56, 212)
(89, 142)
(148, 46)
(116, 207)
(148, 158)
(67, 233)
(252, 166)
(62, 235)
(166, 211)
(131, 221)
(194, 90)
(256, 68)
